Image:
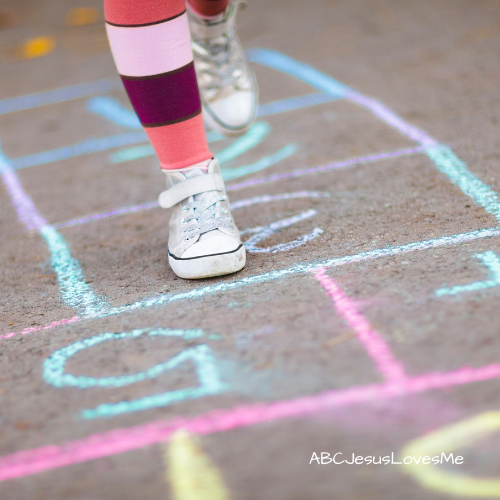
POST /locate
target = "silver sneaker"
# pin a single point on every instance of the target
(228, 88)
(203, 240)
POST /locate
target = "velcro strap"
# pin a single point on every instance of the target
(190, 187)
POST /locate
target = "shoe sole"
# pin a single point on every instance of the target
(208, 266)
(213, 124)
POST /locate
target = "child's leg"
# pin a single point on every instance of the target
(151, 46)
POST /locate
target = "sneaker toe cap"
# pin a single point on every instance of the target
(236, 110)
(212, 243)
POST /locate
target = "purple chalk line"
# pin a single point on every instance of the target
(112, 213)
(332, 166)
(297, 173)
(25, 208)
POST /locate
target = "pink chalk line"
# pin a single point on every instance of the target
(38, 328)
(375, 345)
(127, 439)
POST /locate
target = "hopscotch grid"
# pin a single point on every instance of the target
(331, 167)
(398, 384)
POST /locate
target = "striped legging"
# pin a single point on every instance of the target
(151, 45)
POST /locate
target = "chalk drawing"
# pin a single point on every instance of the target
(154, 204)
(113, 213)
(112, 110)
(352, 162)
(441, 155)
(136, 152)
(278, 197)
(209, 381)
(263, 163)
(303, 268)
(190, 472)
(375, 345)
(387, 251)
(271, 108)
(492, 262)
(117, 441)
(456, 170)
(252, 138)
(58, 95)
(446, 440)
(88, 146)
(74, 290)
(262, 232)
(334, 166)
(40, 328)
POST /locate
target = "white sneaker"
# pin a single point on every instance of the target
(228, 89)
(204, 240)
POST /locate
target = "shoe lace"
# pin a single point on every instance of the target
(207, 214)
(219, 62)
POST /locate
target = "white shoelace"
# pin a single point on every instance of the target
(207, 215)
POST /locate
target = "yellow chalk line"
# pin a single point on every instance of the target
(190, 472)
(448, 439)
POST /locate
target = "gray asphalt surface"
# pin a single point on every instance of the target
(435, 64)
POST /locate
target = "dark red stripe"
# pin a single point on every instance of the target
(167, 98)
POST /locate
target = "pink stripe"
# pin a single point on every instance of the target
(38, 328)
(151, 50)
(121, 440)
(376, 347)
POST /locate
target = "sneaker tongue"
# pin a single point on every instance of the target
(196, 172)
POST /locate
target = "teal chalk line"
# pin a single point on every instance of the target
(59, 95)
(136, 152)
(304, 268)
(263, 163)
(112, 110)
(442, 156)
(75, 292)
(492, 262)
(255, 135)
(456, 170)
(209, 380)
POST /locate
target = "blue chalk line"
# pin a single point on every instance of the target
(54, 373)
(263, 163)
(75, 292)
(58, 95)
(90, 145)
(112, 110)
(492, 262)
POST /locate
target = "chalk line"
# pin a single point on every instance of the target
(88, 146)
(442, 156)
(117, 441)
(74, 290)
(189, 470)
(58, 95)
(112, 110)
(262, 164)
(492, 262)
(352, 162)
(33, 329)
(388, 251)
(375, 345)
